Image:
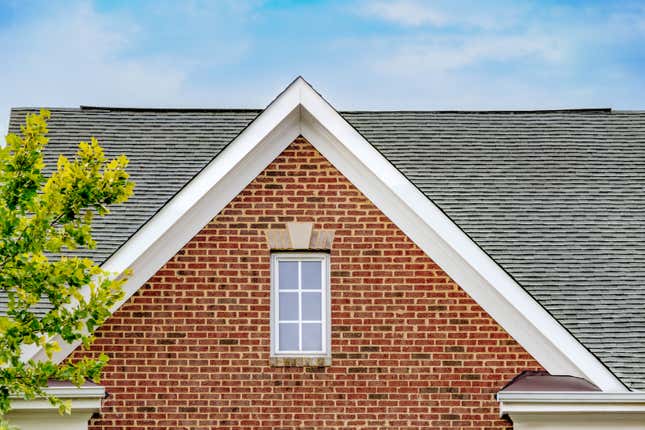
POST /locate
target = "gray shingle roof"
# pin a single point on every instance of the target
(556, 198)
(165, 148)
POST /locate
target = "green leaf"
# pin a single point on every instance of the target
(40, 217)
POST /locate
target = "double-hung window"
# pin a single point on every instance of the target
(300, 304)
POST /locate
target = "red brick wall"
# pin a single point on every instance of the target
(410, 349)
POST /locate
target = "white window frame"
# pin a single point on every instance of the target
(276, 257)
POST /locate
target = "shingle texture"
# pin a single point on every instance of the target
(556, 198)
(165, 148)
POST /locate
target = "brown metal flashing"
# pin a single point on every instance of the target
(533, 381)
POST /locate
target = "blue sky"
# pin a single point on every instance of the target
(400, 54)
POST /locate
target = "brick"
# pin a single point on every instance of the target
(410, 349)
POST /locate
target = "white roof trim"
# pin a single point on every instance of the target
(519, 402)
(87, 398)
(571, 396)
(300, 110)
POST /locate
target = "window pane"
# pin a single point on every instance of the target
(288, 275)
(311, 309)
(311, 275)
(312, 337)
(289, 306)
(288, 337)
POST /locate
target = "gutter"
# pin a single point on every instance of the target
(527, 402)
(85, 398)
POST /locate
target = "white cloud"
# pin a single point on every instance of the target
(441, 13)
(72, 58)
(409, 13)
(447, 54)
(464, 54)
(627, 23)
(76, 55)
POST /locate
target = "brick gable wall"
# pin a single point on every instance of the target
(411, 350)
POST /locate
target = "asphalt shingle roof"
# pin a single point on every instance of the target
(557, 198)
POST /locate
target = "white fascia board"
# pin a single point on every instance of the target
(570, 402)
(300, 110)
(464, 261)
(572, 396)
(202, 198)
(83, 398)
(199, 201)
(278, 119)
(95, 391)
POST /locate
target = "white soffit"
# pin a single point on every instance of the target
(299, 110)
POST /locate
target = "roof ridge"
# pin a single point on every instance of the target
(484, 111)
(167, 109)
(349, 111)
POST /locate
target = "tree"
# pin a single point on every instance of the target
(41, 217)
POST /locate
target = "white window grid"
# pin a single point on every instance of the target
(276, 258)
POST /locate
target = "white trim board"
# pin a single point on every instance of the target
(299, 110)
(560, 410)
(325, 290)
(83, 398)
(570, 401)
(38, 413)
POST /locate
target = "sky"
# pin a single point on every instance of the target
(360, 54)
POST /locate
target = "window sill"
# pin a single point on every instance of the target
(320, 361)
